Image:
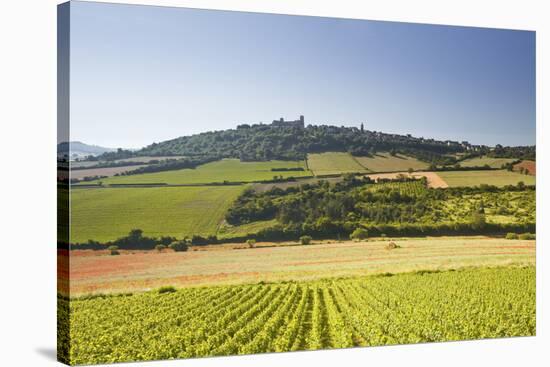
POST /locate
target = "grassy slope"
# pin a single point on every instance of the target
(106, 214)
(475, 178)
(384, 162)
(231, 170)
(333, 163)
(245, 229)
(339, 313)
(482, 161)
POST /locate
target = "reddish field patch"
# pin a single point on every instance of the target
(142, 270)
(530, 166)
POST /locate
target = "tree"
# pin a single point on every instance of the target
(478, 221)
(410, 170)
(135, 234)
(251, 242)
(359, 234)
(305, 240)
(114, 250)
(179, 246)
(159, 248)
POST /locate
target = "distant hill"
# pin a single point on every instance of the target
(81, 150)
(293, 141)
(265, 142)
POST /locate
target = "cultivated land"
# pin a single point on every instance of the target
(488, 177)
(231, 170)
(530, 166)
(482, 161)
(275, 317)
(104, 214)
(385, 162)
(98, 272)
(434, 180)
(106, 171)
(144, 159)
(333, 163)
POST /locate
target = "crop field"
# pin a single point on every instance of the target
(109, 213)
(105, 171)
(482, 161)
(333, 163)
(530, 166)
(493, 177)
(290, 316)
(385, 162)
(434, 180)
(411, 188)
(93, 272)
(231, 170)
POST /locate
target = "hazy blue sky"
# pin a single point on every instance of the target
(143, 74)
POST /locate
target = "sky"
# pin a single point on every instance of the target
(144, 74)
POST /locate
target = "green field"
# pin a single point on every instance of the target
(482, 161)
(275, 317)
(385, 162)
(488, 177)
(333, 163)
(109, 213)
(226, 230)
(231, 170)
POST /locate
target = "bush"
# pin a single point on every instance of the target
(359, 234)
(179, 246)
(159, 248)
(305, 240)
(511, 236)
(114, 250)
(392, 246)
(166, 289)
(251, 243)
(527, 236)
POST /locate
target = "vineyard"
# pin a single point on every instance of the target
(289, 316)
(411, 188)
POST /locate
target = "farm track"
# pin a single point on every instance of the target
(332, 313)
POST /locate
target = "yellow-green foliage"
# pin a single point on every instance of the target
(109, 213)
(385, 162)
(231, 170)
(333, 163)
(275, 317)
(489, 177)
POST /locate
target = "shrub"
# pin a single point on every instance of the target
(527, 236)
(359, 234)
(166, 289)
(114, 250)
(305, 240)
(392, 246)
(511, 236)
(251, 243)
(179, 246)
(159, 248)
